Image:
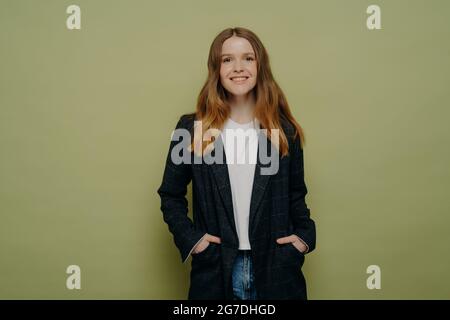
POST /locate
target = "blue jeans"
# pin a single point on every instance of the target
(242, 277)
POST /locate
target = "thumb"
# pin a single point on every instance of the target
(214, 239)
(284, 240)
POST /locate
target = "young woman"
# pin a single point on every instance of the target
(250, 229)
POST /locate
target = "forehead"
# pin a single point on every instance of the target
(236, 45)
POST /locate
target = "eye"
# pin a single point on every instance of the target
(250, 59)
(226, 59)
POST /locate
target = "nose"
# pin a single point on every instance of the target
(238, 67)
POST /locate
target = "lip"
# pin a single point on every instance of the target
(239, 79)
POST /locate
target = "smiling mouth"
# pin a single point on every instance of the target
(239, 79)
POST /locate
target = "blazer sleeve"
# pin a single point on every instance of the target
(304, 226)
(174, 205)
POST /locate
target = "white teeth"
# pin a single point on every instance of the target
(239, 78)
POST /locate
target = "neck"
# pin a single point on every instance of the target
(242, 108)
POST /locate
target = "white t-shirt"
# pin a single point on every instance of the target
(241, 148)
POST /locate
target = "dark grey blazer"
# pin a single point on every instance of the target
(277, 209)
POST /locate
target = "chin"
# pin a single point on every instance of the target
(239, 91)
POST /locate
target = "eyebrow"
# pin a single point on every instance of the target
(245, 53)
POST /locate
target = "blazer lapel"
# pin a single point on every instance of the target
(259, 186)
(222, 178)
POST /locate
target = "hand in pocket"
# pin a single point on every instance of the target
(202, 245)
(293, 240)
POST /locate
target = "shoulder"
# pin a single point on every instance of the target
(186, 121)
(292, 135)
(288, 128)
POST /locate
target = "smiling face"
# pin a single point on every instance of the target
(238, 68)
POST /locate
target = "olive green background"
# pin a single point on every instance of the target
(86, 117)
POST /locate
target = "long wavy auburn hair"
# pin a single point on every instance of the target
(213, 108)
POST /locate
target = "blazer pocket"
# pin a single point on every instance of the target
(202, 255)
(295, 252)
